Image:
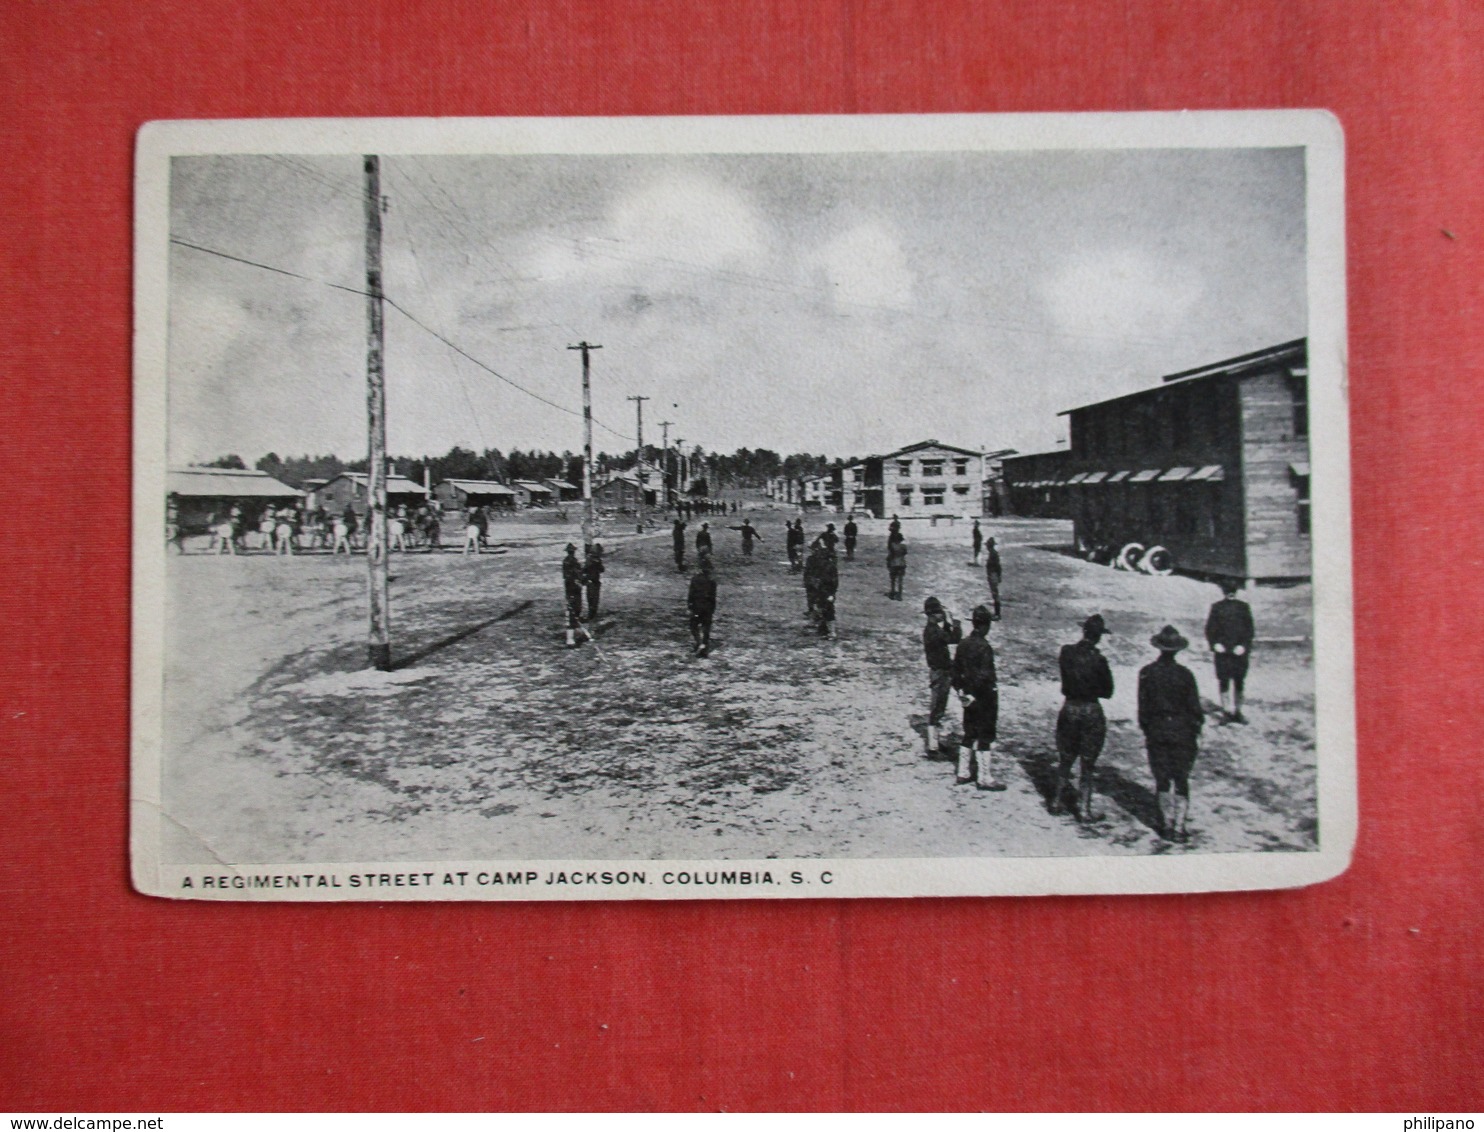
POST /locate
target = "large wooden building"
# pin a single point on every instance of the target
(463, 495)
(196, 497)
(1035, 484)
(350, 489)
(1212, 465)
(924, 480)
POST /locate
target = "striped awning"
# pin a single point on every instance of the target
(1299, 467)
(1176, 474)
(1118, 477)
(1211, 473)
(1095, 477)
(1145, 476)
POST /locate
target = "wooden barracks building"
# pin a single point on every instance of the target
(1212, 464)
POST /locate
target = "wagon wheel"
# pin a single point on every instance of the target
(1128, 557)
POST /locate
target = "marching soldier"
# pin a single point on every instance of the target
(1171, 718)
(977, 538)
(573, 579)
(593, 571)
(992, 574)
(978, 690)
(1230, 632)
(795, 542)
(1081, 726)
(701, 601)
(677, 539)
(851, 531)
(938, 634)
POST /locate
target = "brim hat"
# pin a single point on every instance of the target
(571, 548)
(1169, 639)
(981, 615)
(1095, 624)
(932, 605)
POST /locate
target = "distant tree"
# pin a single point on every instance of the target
(232, 461)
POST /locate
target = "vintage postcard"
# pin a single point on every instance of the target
(741, 507)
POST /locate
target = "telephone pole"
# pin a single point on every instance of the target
(589, 523)
(642, 474)
(379, 646)
(665, 465)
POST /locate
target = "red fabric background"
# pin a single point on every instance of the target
(1364, 993)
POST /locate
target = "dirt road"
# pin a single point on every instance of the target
(490, 740)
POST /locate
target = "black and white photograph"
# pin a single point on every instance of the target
(713, 508)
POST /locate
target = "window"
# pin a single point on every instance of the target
(905, 495)
(1180, 420)
(857, 474)
(932, 497)
(960, 467)
(932, 467)
(904, 468)
(1301, 484)
(1298, 385)
(960, 489)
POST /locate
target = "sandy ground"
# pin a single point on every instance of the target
(490, 740)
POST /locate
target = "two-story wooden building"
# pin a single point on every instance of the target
(924, 480)
(1212, 464)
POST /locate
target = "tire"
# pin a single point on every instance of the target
(1128, 557)
(1158, 561)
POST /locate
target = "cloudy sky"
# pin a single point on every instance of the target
(835, 304)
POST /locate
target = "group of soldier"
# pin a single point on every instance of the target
(1170, 712)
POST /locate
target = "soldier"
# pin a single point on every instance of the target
(826, 585)
(701, 601)
(978, 690)
(677, 538)
(940, 631)
(812, 567)
(851, 531)
(703, 540)
(829, 539)
(471, 534)
(1229, 632)
(593, 569)
(795, 541)
(894, 528)
(749, 532)
(1081, 726)
(896, 564)
(1171, 718)
(993, 574)
(977, 538)
(573, 578)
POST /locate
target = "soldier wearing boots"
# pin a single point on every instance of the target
(701, 602)
(896, 565)
(851, 533)
(940, 632)
(974, 679)
(677, 537)
(593, 572)
(1171, 717)
(826, 585)
(1081, 726)
(1230, 632)
(703, 540)
(795, 543)
(976, 537)
(993, 574)
(574, 577)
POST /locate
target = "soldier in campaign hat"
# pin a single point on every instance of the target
(978, 691)
(1171, 718)
(574, 579)
(1081, 726)
(1230, 632)
(938, 634)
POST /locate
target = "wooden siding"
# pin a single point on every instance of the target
(1275, 546)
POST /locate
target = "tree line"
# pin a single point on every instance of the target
(746, 467)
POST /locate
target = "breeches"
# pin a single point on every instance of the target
(1081, 729)
(940, 680)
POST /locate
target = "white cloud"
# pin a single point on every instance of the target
(866, 265)
(1121, 293)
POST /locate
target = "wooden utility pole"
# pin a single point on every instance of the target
(680, 467)
(589, 522)
(641, 474)
(665, 463)
(379, 645)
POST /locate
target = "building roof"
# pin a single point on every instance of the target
(1291, 354)
(227, 482)
(398, 484)
(532, 485)
(479, 487)
(929, 444)
(562, 485)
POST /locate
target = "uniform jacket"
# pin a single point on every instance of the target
(573, 575)
(851, 530)
(594, 568)
(795, 537)
(936, 638)
(973, 667)
(992, 563)
(896, 555)
(1230, 623)
(677, 534)
(1169, 703)
(702, 596)
(703, 540)
(1084, 672)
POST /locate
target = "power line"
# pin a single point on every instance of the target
(454, 346)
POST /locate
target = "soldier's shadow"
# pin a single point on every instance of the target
(1135, 798)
